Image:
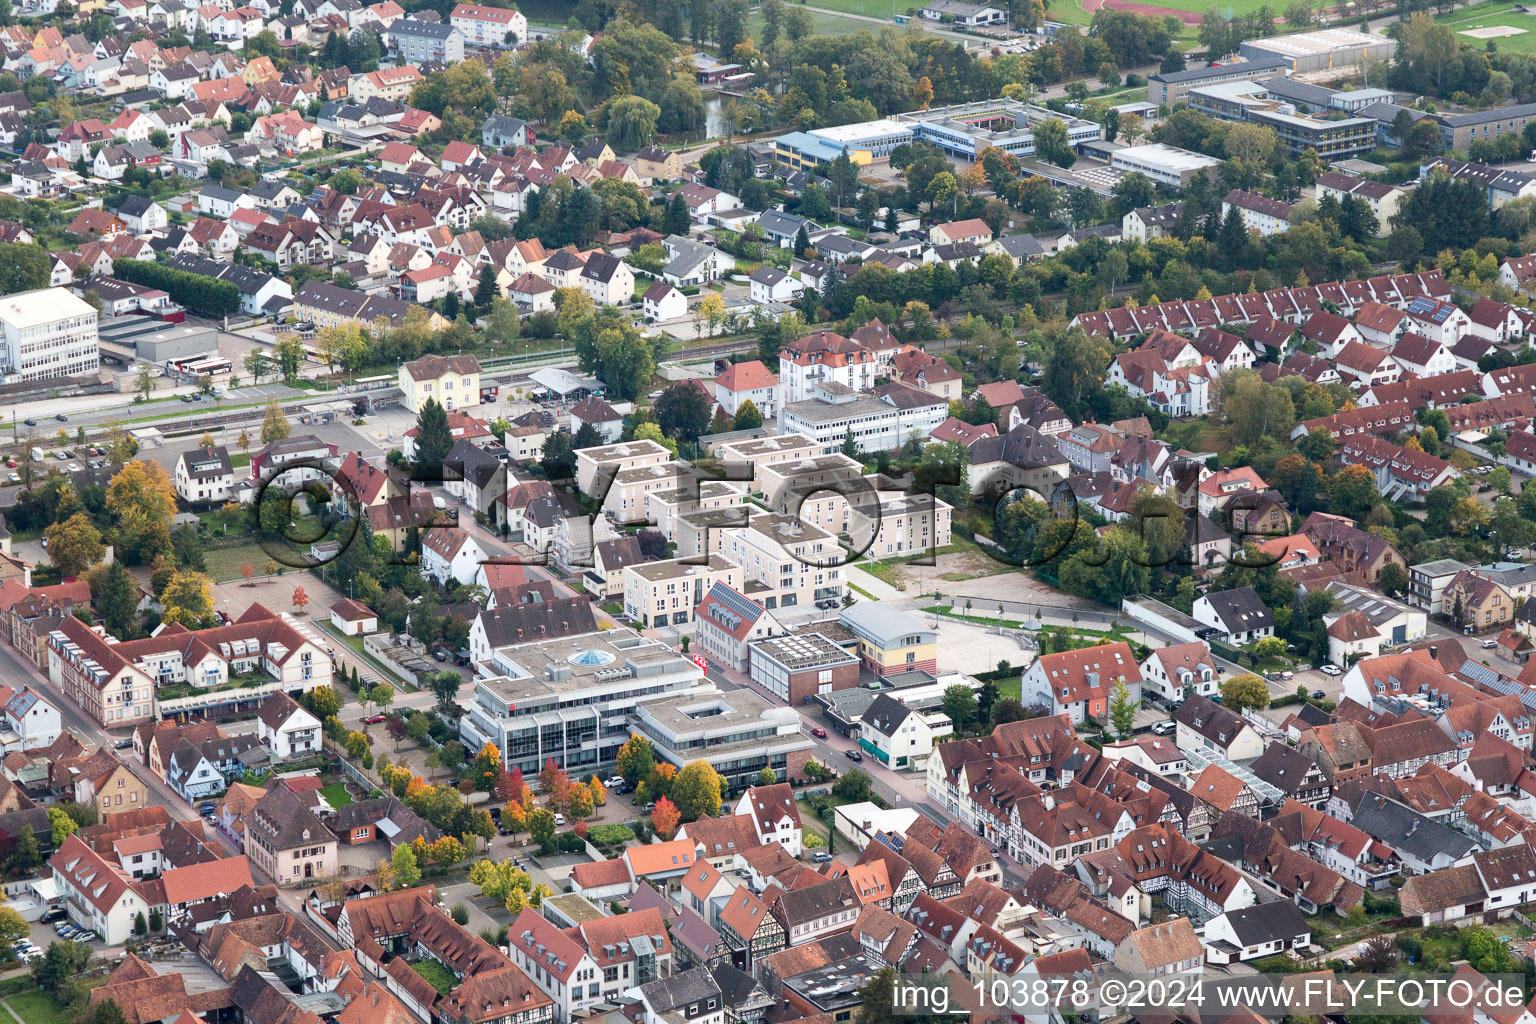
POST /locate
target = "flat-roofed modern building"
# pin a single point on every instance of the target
(803, 151)
(1168, 89)
(1263, 103)
(879, 422)
(1165, 165)
(48, 333)
(591, 462)
(570, 699)
(666, 593)
(784, 562)
(1322, 50)
(797, 667)
(877, 138)
(966, 129)
(739, 733)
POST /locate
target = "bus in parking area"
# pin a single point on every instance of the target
(201, 367)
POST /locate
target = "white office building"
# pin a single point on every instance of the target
(48, 333)
(571, 699)
(1165, 165)
(880, 422)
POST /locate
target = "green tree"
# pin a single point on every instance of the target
(274, 426)
(63, 826)
(636, 760)
(433, 439)
(26, 854)
(1075, 371)
(854, 786)
(959, 703)
(1051, 143)
(697, 790)
(683, 411)
(406, 871)
(23, 267)
(541, 826)
(74, 545)
(1393, 580)
(1122, 709)
(747, 417)
(767, 777)
(1245, 691)
(632, 123)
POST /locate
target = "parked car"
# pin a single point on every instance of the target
(818, 732)
(1331, 670)
(186, 398)
(73, 467)
(853, 755)
(821, 856)
(1319, 695)
(559, 818)
(207, 807)
(614, 783)
(374, 719)
(62, 418)
(29, 421)
(13, 478)
(439, 653)
(1489, 644)
(1165, 728)
(123, 744)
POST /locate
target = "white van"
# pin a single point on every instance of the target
(38, 454)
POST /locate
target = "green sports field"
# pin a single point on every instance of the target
(1494, 15)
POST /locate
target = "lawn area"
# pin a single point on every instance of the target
(826, 24)
(440, 977)
(1492, 15)
(36, 1008)
(336, 795)
(225, 564)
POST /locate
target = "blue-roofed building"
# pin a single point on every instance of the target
(806, 152)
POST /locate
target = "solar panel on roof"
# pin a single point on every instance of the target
(737, 602)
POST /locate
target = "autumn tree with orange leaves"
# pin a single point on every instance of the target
(665, 818)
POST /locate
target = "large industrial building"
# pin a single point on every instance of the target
(1321, 50)
(48, 333)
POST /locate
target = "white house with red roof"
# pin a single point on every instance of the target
(1400, 472)
(1176, 671)
(728, 622)
(775, 815)
(1365, 366)
(1217, 490)
(1079, 683)
(748, 381)
(1497, 322)
(489, 26)
(554, 961)
(450, 553)
(1422, 357)
(98, 895)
